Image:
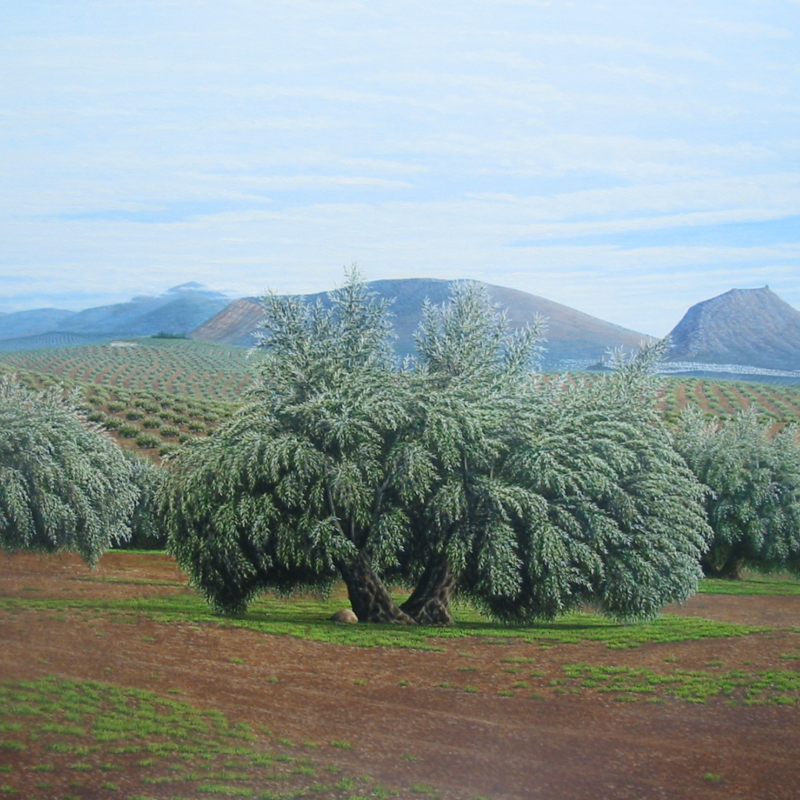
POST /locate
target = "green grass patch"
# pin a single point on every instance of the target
(308, 618)
(752, 583)
(193, 751)
(777, 687)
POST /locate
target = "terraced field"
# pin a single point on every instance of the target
(779, 404)
(167, 366)
(158, 394)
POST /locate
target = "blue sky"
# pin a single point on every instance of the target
(626, 158)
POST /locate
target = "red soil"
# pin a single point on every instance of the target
(561, 747)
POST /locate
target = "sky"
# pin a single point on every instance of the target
(626, 158)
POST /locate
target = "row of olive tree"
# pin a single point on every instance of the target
(457, 474)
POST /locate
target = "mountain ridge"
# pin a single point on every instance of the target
(571, 335)
(22, 324)
(749, 327)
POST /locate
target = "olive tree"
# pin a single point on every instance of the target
(458, 472)
(546, 495)
(64, 484)
(614, 518)
(470, 382)
(146, 529)
(753, 498)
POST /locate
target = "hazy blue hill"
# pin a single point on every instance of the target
(752, 327)
(178, 316)
(179, 310)
(111, 319)
(571, 334)
(30, 323)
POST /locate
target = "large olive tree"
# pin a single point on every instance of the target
(455, 473)
(311, 479)
(64, 484)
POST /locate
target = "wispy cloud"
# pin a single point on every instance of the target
(629, 160)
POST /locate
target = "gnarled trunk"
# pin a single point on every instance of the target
(731, 569)
(369, 598)
(429, 603)
(724, 562)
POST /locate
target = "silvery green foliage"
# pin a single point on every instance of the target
(612, 517)
(64, 485)
(470, 381)
(754, 500)
(549, 496)
(304, 480)
(533, 497)
(147, 529)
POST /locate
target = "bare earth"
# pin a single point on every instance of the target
(561, 747)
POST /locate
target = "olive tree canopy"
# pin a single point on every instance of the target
(64, 484)
(307, 482)
(753, 502)
(547, 494)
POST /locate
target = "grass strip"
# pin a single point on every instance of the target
(739, 687)
(752, 584)
(308, 618)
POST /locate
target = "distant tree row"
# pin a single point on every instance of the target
(458, 473)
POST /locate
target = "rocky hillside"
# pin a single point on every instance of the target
(233, 325)
(752, 327)
(571, 334)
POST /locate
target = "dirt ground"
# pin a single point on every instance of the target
(406, 728)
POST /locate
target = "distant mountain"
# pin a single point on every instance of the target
(179, 310)
(571, 335)
(31, 323)
(751, 327)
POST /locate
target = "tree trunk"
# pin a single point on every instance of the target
(429, 603)
(731, 569)
(727, 564)
(369, 598)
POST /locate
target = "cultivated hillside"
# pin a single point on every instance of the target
(751, 327)
(571, 334)
(233, 325)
